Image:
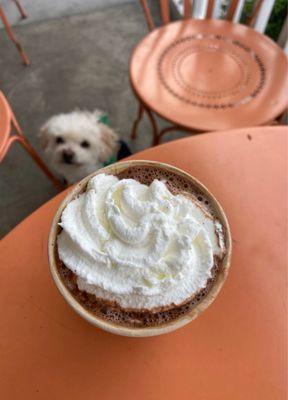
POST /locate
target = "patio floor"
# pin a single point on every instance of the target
(79, 61)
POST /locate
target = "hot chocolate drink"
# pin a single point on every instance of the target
(140, 248)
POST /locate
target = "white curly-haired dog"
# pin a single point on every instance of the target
(77, 144)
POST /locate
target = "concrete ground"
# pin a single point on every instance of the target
(79, 61)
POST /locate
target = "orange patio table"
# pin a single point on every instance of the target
(236, 350)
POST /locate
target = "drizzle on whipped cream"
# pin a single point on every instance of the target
(138, 245)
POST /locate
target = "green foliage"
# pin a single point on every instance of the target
(248, 8)
(276, 19)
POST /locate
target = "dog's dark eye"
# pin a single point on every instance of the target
(85, 144)
(59, 140)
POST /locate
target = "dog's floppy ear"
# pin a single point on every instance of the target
(44, 136)
(109, 143)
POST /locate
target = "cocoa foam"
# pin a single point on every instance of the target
(111, 311)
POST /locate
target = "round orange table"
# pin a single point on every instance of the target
(235, 350)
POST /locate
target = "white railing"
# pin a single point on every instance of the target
(238, 11)
(199, 9)
(263, 15)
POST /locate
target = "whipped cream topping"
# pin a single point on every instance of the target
(138, 245)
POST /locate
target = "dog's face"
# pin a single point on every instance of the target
(73, 148)
(76, 143)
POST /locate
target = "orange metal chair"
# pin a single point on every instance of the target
(8, 136)
(208, 74)
(10, 33)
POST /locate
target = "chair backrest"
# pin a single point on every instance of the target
(212, 9)
(201, 9)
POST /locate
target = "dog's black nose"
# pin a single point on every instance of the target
(67, 156)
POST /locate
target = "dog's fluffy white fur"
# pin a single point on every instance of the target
(76, 144)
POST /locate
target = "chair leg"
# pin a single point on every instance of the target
(20, 9)
(24, 142)
(137, 121)
(154, 127)
(11, 35)
(15, 124)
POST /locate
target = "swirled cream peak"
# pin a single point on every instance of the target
(138, 245)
